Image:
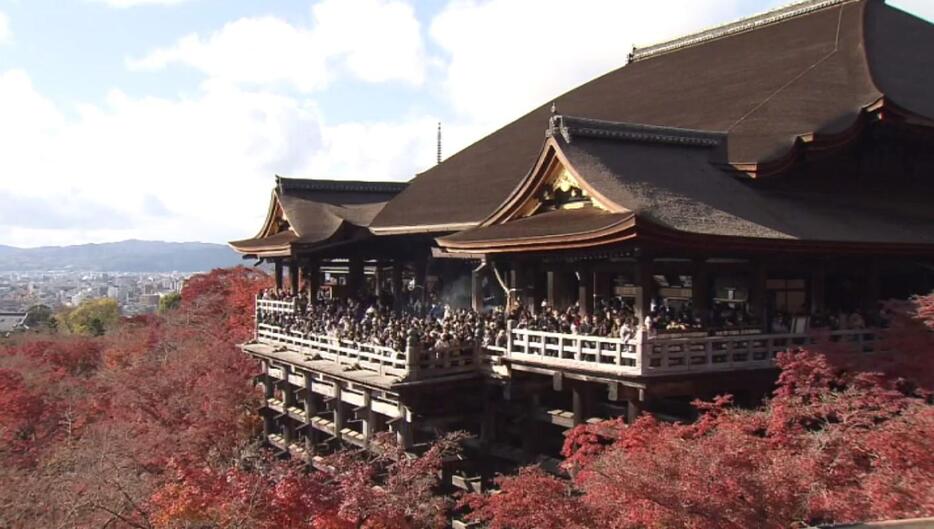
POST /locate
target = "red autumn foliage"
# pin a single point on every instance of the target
(154, 426)
(836, 443)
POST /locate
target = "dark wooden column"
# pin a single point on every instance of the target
(312, 280)
(268, 393)
(700, 283)
(396, 285)
(585, 292)
(758, 304)
(278, 272)
(515, 287)
(293, 276)
(476, 288)
(378, 278)
(355, 277)
(645, 287)
(421, 275)
(602, 289)
(311, 410)
(581, 401)
(818, 285)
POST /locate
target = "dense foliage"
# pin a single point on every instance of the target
(153, 425)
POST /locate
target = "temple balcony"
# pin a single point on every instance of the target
(642, 355)
(667, 354)
(382, 366)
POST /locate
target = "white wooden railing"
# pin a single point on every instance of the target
(276, 305)
(613, 355)
(641, 355)
(665, 355)
(383, 360)
(413, 363)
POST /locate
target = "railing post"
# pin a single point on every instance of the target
(509, 338)
(412, 352)
(641, 352)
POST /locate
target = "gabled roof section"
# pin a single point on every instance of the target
(314, 212)
(666, 186)
(810, 74)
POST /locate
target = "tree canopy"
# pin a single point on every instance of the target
(92, 317)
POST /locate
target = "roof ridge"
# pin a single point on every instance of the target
(741, 25)
(570, 126)
(309, 184)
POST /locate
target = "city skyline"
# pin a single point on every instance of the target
(118, 128)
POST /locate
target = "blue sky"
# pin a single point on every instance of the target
(167, 119)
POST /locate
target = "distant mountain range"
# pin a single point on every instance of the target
(125, 256)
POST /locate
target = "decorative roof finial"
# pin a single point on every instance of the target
(554, 108)
(439, 142)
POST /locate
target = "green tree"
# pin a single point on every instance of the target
(38, 315)
(92, 317)
(169, 302)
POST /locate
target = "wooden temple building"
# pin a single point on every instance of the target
(782, 164)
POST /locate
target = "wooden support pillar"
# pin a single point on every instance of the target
(635, 404)
(818, 287)
(312, 280)
(634, 409)
(645, 288)
(421, 275)
(293, 277)
(476, 289)
(539, 288)
(515, 297)
(585, 292)
(581, 402)
(552, 286)
(404, 428)
(288, 391)
(268, 393)
(278, 272)
(338, 411)
(355, 277)
(700, 289)
(602, 289)
(311, 410)
(398, 299)
(268, 384)
(758, 304)
(368, 419)
(378, 279)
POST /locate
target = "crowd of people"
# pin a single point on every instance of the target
(432, 324)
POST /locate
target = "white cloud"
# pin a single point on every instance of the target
(373, 40)
(5, 33)
(134, 3)
(505, 57)
(193, 168)
(920, 8)
(383, 150)
(208, 160)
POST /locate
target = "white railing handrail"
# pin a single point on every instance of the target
(410, 364)
(568, 336)
(276, 305)
(646, 355)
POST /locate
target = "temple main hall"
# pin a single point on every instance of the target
(656, 235)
